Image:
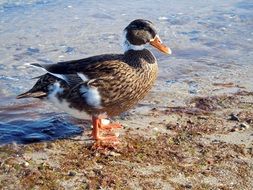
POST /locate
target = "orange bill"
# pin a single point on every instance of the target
(156, 42)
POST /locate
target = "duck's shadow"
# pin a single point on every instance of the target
(25, 123)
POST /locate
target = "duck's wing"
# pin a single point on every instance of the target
(100, 79)
(81, 65)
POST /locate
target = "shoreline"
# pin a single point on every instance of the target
(204, 145)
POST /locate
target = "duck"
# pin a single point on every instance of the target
(103, 86)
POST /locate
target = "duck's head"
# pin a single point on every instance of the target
(140, 32)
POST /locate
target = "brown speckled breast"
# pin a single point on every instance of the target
(132, 86)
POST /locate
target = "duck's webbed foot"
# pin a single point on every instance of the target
(101, 124)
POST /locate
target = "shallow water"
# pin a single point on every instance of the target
(211, 43)
(29, 122)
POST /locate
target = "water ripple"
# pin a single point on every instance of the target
(31, 131)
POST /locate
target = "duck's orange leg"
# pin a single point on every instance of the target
(99, 126)
(106, 125)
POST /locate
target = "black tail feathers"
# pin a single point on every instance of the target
(29, 94)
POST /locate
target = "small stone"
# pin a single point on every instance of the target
(115, 154)
(187, 186)
(233, 117)
(26, 164)
(71, 173)
(97, 172)
(202, 117)
(189, 121)
(249, 121)
(154, 109)
(216, 141)
(250, 151)
(244, 126)
(210, 161)
(234, 129)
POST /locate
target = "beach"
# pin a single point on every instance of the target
(194, 130)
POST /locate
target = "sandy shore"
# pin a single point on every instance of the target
(193, 131)
(206, 144)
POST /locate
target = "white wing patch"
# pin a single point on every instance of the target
(91, 96)
(55, 89)
(64, 105)
(83, 77)
(63, 77)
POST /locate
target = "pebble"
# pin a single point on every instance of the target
(71, 173)
(233, 117)
(241, 127)
(234, 129)
(187, 186)
(203, 117)
(244, 126)
(249, 121)
(114, 154)
(250, 151)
